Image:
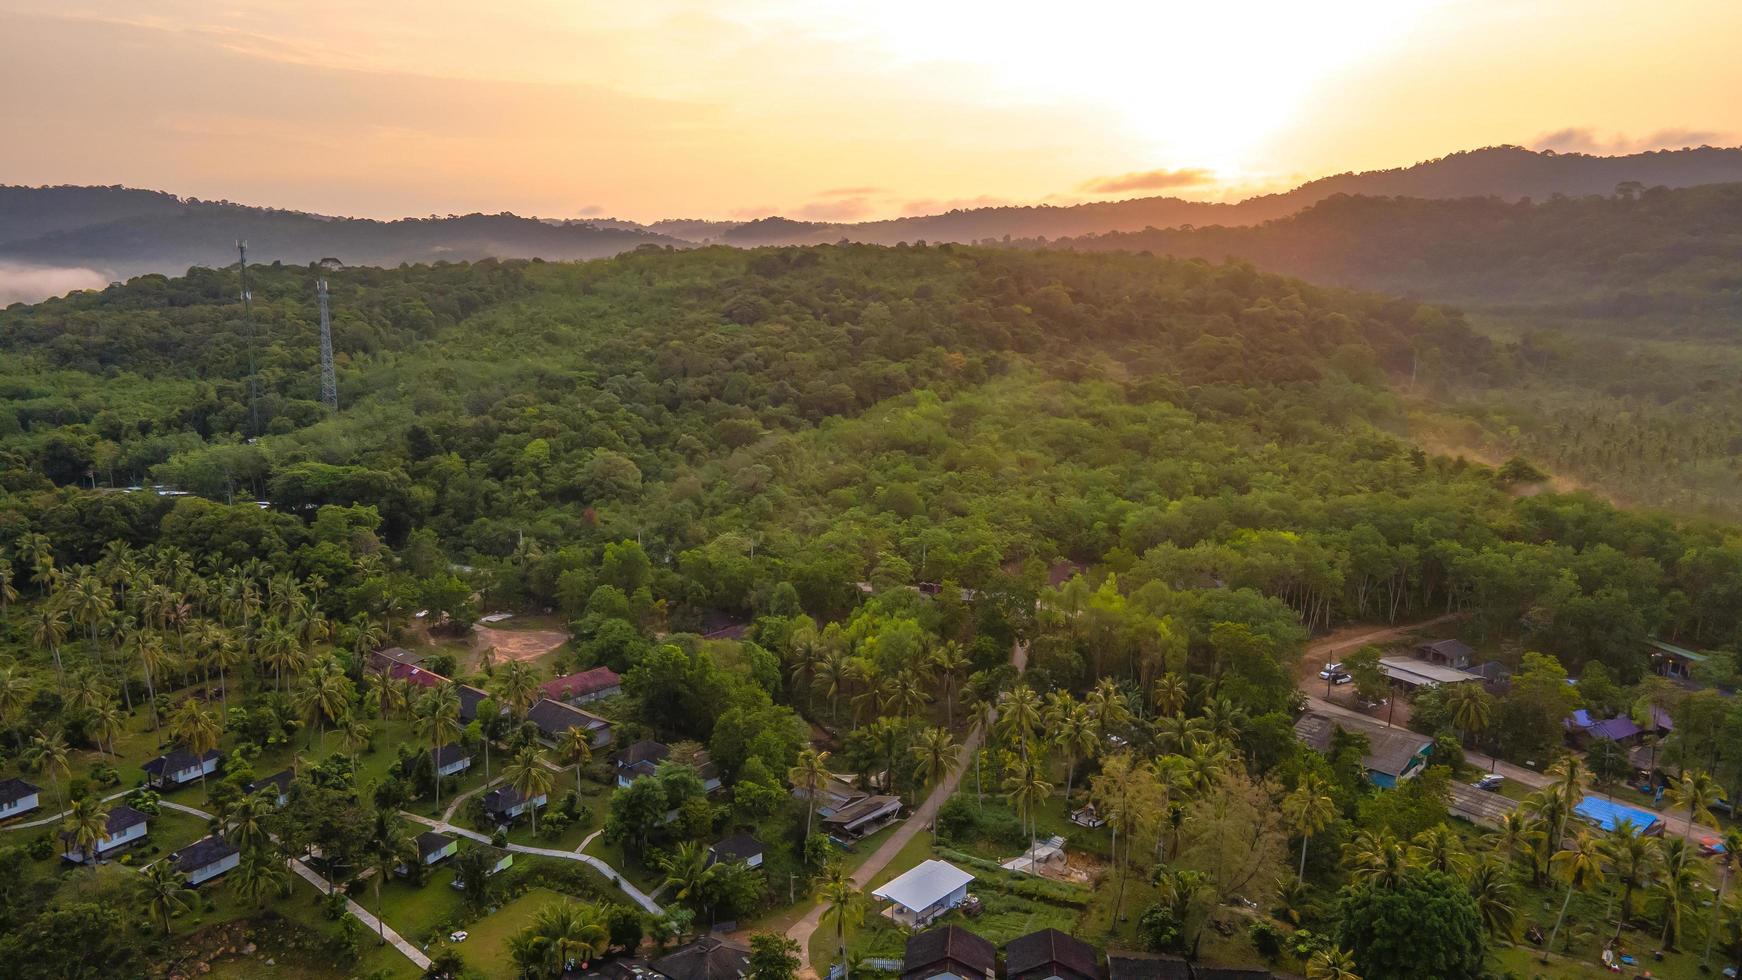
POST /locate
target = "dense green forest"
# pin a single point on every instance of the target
(1105, 499)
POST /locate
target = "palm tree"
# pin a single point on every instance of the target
(1332, 964)
(936, 754)
(166, 891)
(261, 873)
(1309, 809)
(106, 723)
(517, 686)
(1108, 707)
(1492, 889)
(1028, 791)
(1570, 777)
(1581, 867)
(148, 647)
(14, 695)
(1677, 879)
(223, 653)
(1731, 858)
(1168, 695)
(950, 662)
(688, 873)
(811, 774)
(1633, 862)
(40, 551)
(575, 746)
(387, 848)
(1118, 797)
(8, 592)
(1438, 849)
(1177, 733)
(841, 898)
(562, 936)
(326, 694)
(1695, 792)
(197, 728)
(1377, 858)
(1512, 837)
(831, 676)
(246, 825)
(1073, 729)
(49, 631)
(48, 754)
(354, 735)
(527, 774)
(437, 720)
(1469, 707)
(86, 824)
(89, 602)
(1019, 716)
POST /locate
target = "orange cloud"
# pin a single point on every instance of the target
(1150, 180)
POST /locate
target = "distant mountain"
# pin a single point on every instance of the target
(1652, 251)
(119, 232)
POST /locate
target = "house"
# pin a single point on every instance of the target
(1146, 966)
(1455, 654)
(580, 688)
(708, 958)
(1050, 955)
(1608, 815)
(206, 859)
(738, 847)
(835, 796)
(949, 953)
(451, 760)
(1494, 673)
(386, 659)
(503, 861)
(17, 796)
(923, 893)
(433, 847)
(278, 784)
(1088, 817)
(505, 803)
(1478, 805)
(1583, 729)
(125, 826)
(639, 759)
(1676, 663)
(180, 767)
(1410, 674)
(867, 816)
(1393, 754)
(553, 718)
(470, 698)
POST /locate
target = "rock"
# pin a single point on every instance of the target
(204, 967)
(249, 949)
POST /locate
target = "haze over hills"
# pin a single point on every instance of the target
(105, 233)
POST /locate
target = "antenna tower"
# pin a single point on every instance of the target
(248, 315)
(329, 381)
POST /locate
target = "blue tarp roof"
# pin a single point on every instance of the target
(1609, 814)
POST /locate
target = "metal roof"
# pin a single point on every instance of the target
(924, 886)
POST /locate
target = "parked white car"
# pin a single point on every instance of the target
(1331, 671)
(458, 937)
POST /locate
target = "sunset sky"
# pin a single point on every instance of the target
(819, 109)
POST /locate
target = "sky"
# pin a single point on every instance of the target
(827, 110)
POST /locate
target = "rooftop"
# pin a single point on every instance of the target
(1409, 670)
(177, 760)
(554, 718)
(15, 789)
(431, 841)
(924, 886)
(206, 850)
(738, 847)
(1389, 750)
(949, 943)
(1045, 951)
(581, 684)
(705, 959)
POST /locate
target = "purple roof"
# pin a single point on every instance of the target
(1581, 719)
(1661, 719)
(1615, 729)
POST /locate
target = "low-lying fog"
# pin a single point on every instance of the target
(31, 283)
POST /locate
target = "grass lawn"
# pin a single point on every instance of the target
(419, 914)
(486, 951)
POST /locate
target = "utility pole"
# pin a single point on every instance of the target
(329, 382)
(248, 315)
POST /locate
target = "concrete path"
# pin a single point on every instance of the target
(628, 887)
(454, 807)
(42, 821)
(363, 915)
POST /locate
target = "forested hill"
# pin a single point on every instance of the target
(1651, 250)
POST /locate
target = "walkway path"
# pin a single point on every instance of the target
(802, 930)
(41, 821)
(412, 953)
(609, 872)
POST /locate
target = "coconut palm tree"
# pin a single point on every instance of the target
(326, 693)
(386, 849)
(1332, 964)
(811, 774)
(354, 735)
(197, 728)
(527, 774)
(1073, 729)
(223, 653)
(1495, 894)
(1438, 849)
(841, 899)
(1377, 858)
(1731, 858)
(1633, 861)
(1581, 867)
(260, 874)
(935, 754)
(247, 823)
(563, 936)
(517, 686)
(1028, 791)
(1470, 708)
(951, 663)
(39, 551)
(1512, 837)
(106, 723)
(8, 592)
(15, 693)
(1309, 809)
(86, 824)
(436, 720)
(1177, 733)
(1168, 695)
(575, 746)
(1678, 878)
(830, 679)
(688, 873)
(166, 891)
(148, 647)
(90, 604)
(49, 631)
(1695, 792)
(1570, 777)
(1108, 707)
(1019, 716)
(47, 754)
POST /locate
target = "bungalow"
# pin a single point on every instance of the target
(17, 796)
(505, 803)
(836, 795)
(278, 784)
(503, 861)
(1409, 673)
(1676, 663)
(923, 893)
(206, 859)
(1455, 654)
(639, 759)
(708, 958)
(949, 953)
(180, 767)
(1393, 754)
(125, 826)
(387, 658)
(451, 759)
(867, 816)
(470, 698)
(738, 847)
(1583, 729)
(433, 847)
(553, 718)
(1050, 955)
(580, 688)
(1124, 965)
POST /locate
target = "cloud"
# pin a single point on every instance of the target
(591, 211)
(931, 205)
(850, 192)
(1583, 139)
(842, 209)
(1149, 180)
(33, 283)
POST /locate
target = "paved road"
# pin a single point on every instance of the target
(621, 882)
(1675, 823)
(804, 928)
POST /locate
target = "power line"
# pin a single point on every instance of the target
(329, 381)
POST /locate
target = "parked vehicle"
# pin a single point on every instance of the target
(1491, 782)
(1331, 671)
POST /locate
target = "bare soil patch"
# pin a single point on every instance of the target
(517, 644)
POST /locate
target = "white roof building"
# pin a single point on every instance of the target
(924, 893)
(1419, 673)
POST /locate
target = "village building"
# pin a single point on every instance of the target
(1411, 674)
(277, 784)
(583, 687)
(949, 953)
(505, 804)
(867, 816)
(126, 826)
(553, 718)
(644, 757)
(836, 795)
(1674, 662)
(18, 796)
(738, 847)
(470, 698)
(451, 760)
(1050, 955)
(1123, 965)
(206, 859)
(180, 767)
(1393, 754)
(1455, 654)
(923, 893)
(434, 847)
